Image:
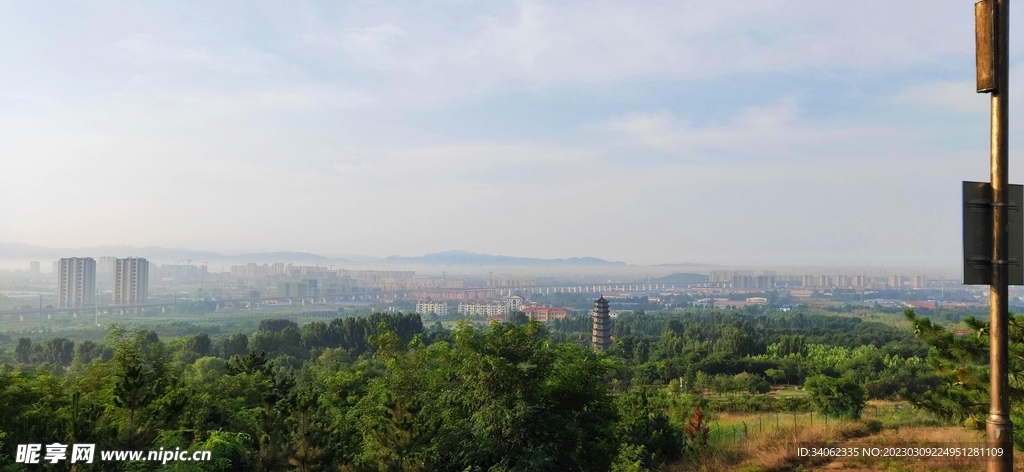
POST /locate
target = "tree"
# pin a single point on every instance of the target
(521, 402)
(962, 366)
(87, 351)
(833, 396)
(23, 352)
(306, 455)
(59, 351)
(276, 326)
(756, 384)
(200, 345)
(208, 370)
(235, 345)
(518, 318)
(140, 377)
(399, 443)
(132, 392)
(643, 423)
(316, 335)
(701, 381)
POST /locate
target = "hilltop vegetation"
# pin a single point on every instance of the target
(385, 392)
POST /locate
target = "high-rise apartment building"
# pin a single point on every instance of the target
(33, 267)
(131, 281)
(76, 282)
(279, 268)
(719, 276)
(105, 265)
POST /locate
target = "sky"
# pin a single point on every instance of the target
(752, 132)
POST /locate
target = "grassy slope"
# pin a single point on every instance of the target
(771, 448)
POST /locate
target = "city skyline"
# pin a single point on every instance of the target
(274, 263)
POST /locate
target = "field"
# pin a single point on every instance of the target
(770, 442)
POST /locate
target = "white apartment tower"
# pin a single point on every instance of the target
(76, 282)
(131, 281)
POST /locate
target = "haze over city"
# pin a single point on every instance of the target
(511, 236)
(747, 133)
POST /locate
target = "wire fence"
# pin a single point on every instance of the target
(891, 415)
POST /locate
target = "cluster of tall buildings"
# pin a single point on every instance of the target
(769, 280)
(76, 281)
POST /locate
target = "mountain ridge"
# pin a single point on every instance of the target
(466, 258)
(22, 251)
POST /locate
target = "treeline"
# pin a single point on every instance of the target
(729, 351)
(385, 392)
(369, 394)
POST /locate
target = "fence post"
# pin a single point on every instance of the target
(760, 427)
(733, 433)
(745, 434)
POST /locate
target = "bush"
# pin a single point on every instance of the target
(841, 397)
(643, 422)
(630, 459)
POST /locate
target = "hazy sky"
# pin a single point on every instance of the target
(742, 132)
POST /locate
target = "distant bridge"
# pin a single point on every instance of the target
(346, 297)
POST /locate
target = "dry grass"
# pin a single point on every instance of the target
(772, 450)
(776, 451)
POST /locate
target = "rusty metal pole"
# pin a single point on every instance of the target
(998, 428)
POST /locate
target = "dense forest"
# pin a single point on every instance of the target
(386, 392)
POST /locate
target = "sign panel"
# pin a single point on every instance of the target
(977, 206)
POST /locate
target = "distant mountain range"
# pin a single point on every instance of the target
(24, 252)
(463, 258)
(681, 278)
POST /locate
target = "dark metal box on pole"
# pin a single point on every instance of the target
(977, 206)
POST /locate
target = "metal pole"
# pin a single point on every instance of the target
(998, 428)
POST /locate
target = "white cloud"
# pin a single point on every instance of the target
(774, 131)
(220, 128)
(959, 96)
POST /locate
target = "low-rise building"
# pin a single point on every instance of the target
(485, 309)
(513, 303)
(432, 308)
(544, 313)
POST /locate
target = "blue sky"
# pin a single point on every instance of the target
(745, 133)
